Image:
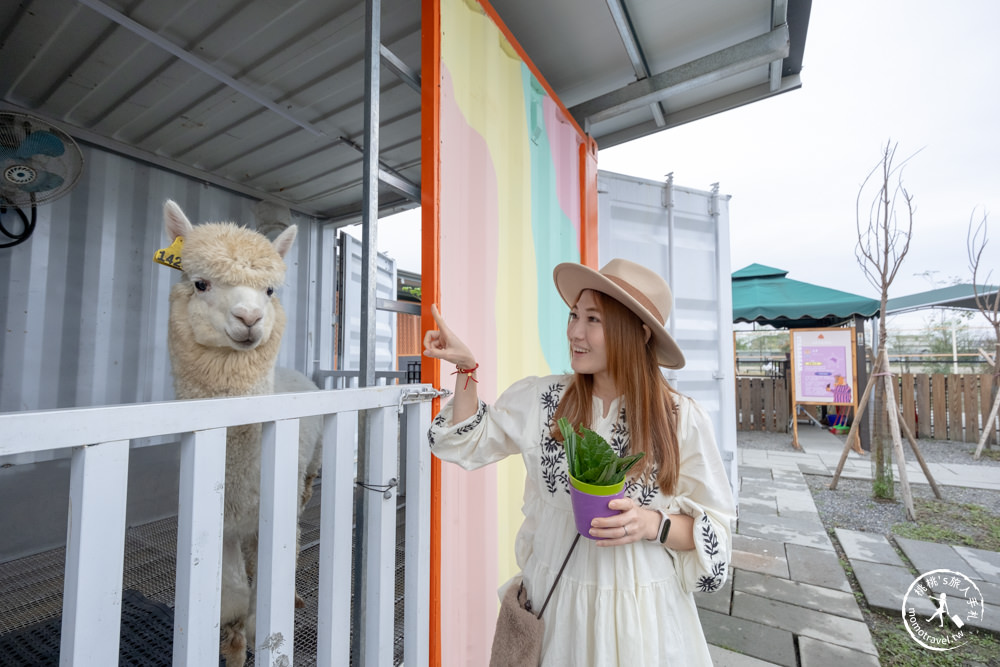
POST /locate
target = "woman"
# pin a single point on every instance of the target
(626, 594)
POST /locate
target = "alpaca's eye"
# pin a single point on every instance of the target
(270, 291)
(200, 285)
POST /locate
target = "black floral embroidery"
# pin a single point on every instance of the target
(711, 582)
(440, 422)
(553, 460)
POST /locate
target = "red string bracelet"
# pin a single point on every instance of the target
(467, 372)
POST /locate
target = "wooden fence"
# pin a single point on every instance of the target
(942, 407)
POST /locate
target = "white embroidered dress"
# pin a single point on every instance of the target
(624, 605)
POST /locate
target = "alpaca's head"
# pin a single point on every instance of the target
(230, 277)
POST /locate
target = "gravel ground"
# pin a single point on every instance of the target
(851, 506)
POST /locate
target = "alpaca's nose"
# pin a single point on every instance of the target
(248, 316)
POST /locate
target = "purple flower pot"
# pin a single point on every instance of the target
(587, 506)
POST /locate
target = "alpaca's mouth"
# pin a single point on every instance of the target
(247, 342)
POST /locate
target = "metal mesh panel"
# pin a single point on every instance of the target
(31, 588)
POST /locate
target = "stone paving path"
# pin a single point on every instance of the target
(788, 601)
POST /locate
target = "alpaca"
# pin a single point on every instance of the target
(225, 329)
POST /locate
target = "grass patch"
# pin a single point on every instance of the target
(993, 454)
(897, 648)
(957, 524)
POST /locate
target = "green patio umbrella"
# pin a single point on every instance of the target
(764, 295)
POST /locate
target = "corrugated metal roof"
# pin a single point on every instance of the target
(962, 296)
(267, 97)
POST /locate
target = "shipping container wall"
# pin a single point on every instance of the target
(83, 308)
(509, 210)
(83, 322)
(683, 234)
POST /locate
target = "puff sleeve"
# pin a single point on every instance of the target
(493, 433)
(703, 492)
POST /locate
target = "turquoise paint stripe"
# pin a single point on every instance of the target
(553, 233)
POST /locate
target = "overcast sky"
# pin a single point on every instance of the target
(921, 73)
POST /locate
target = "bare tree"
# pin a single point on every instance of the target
(883, 243)
(988, 302)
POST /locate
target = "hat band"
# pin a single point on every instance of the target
(638, 296)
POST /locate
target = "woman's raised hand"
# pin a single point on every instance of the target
(442, 343)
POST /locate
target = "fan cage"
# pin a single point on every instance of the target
(38, 162)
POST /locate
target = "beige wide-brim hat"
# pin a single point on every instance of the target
(642, 291)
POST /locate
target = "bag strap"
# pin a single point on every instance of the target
(565, 560)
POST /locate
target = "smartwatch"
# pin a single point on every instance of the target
(661, 534)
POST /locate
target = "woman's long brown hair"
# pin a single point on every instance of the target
(649, 401)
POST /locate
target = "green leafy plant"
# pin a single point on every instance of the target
(591, 459)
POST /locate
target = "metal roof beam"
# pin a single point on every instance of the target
(407, 74)
(699, 111)
(196, 62)
(754, 52)
(779, 17)
(623, 23)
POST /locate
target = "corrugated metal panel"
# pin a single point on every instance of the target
(267, 96)
(683, 234)
(83, 309)
(350, 295)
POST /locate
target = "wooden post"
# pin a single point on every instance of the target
(971, 401)
(853, 433)
(920, 460)
(993, 415)
(939, 399)
(861, 368)
(768, 421)
(909, 404)
(782, 401)
(923, 406)
(897, 446)
(955, 407)
(986, 401)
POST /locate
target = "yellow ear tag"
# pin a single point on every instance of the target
(171, 255)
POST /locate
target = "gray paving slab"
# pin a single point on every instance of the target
(826, 600)
(990, 591)
(719, 601)
(722, 657)
(814, 469)
(870, 547)
(990, 619)
(802, 621)
(985, 563)
(775, 565)
(749, 637)
(766, 506)
(758, 545)
(755, 472)
(816, 566)
(815, 653)
(796, 501)
(929, 556)
(757, 489)
(884, 586)
(788, 530)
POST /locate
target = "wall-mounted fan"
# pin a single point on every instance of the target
(38, 164)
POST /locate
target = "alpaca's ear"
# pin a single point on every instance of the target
(174, 221)
(285, 240)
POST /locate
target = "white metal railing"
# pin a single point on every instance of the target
(99, 438)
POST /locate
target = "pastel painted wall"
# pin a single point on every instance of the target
(508, 208)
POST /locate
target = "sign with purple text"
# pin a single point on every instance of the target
(823, 365)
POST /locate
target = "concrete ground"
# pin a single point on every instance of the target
(787, 600)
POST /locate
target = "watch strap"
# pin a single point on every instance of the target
(664, 529)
